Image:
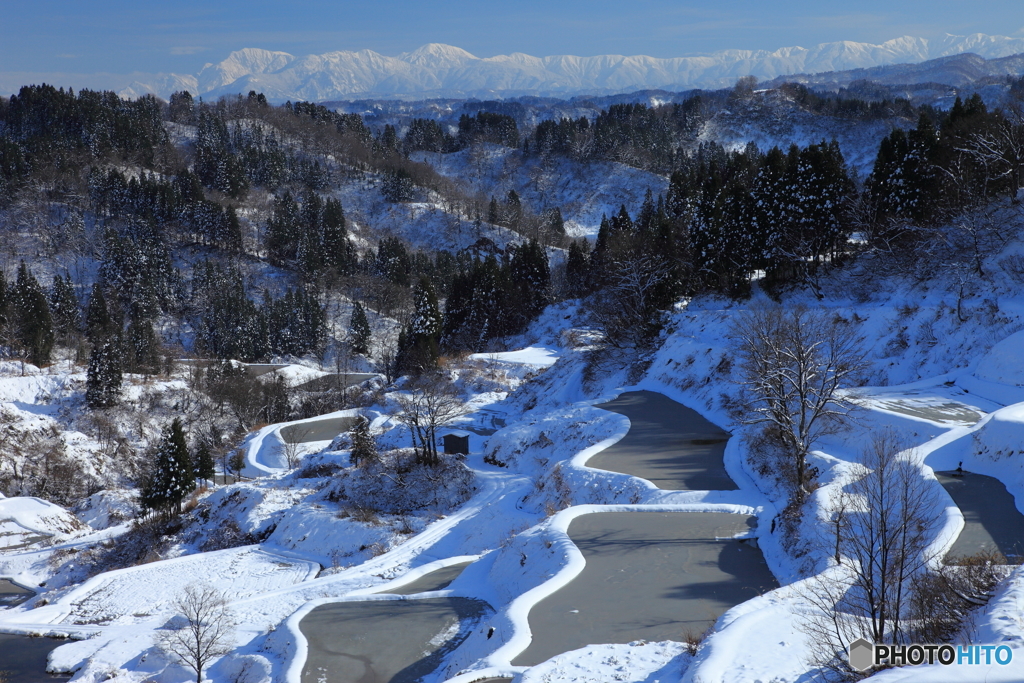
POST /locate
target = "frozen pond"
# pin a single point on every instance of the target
(991, 518)
(12, 594)
(386, 641)
(668, 444)
(316, 430)
(651, 576)
(23, 658)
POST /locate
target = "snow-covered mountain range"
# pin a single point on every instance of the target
(444, 70)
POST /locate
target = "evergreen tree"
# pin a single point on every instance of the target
(577, 270)
(359, 330)
(556, 224)
(513, 210)
(392, 261)
(32, 312)
(493, 216)
(475, 311)
(216, 164)
(530, 280)
(364, 448)
(64, 309)
(182, 107)
(338, 252)
(904, 183)
(283, 228)
(418, 349)
(397, 186)
(4, 309)
(103, 378)
(173, 476)
(203, 461)
(231, 238)
(98, 324)
(142, 350)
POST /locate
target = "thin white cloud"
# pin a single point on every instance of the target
(188, 50)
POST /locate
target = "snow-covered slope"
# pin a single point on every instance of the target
(446, 70)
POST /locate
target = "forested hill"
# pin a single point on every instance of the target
(234, 228)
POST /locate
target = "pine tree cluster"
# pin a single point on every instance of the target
(230, 324)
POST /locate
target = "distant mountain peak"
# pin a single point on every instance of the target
(437, 69)
(437, 53)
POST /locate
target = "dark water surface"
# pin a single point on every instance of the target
(23, 658)
(650, 576)
(668, 444)
(386, 641)
(991, 518)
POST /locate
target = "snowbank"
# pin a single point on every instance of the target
(1004, 363)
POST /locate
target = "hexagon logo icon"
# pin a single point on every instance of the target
(862, 654)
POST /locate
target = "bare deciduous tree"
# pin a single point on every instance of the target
(294, 444)
(629, 308)
(204, 631)
(885, 524)
(794, 361)
(430, 403)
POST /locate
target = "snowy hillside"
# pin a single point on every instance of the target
(942, 374)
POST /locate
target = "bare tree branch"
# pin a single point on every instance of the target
(793, 362)
(205, 632)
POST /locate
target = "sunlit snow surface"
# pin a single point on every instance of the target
(541, 356)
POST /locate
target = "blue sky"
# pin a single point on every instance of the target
(116, 36)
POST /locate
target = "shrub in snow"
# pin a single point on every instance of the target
(396, 484)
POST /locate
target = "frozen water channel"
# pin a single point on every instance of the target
(653, 575)
(648, 575)
(316, 430)
(382, 641)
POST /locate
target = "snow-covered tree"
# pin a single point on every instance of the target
(418, 344)
(103, 378)
(530, 280)
(31, 310)
(98, 324)
(364, 448)
(885, 520)
(359, 330)
(173, 476)
(142, 349)
(67, 318)
(202, 459)
(431, 402)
